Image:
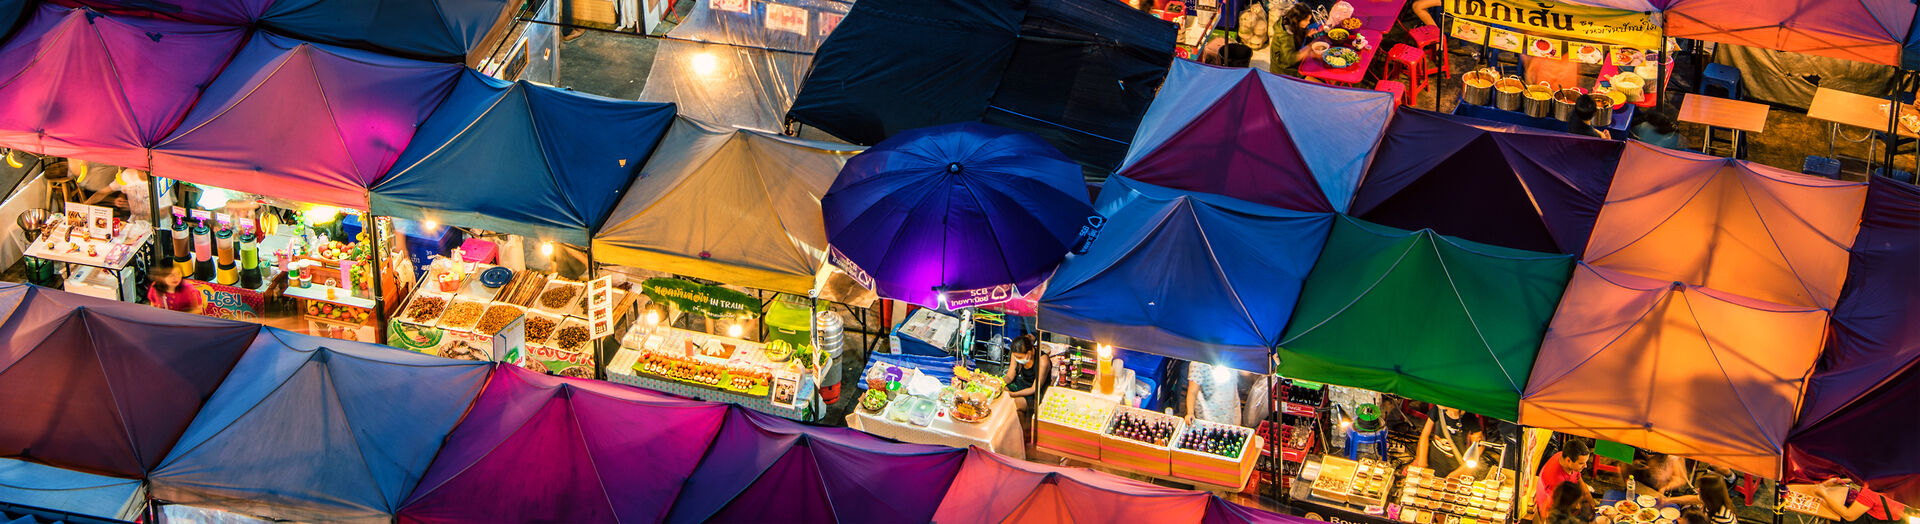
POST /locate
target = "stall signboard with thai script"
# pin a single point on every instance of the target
(1580, 22)
(712, 301)
(957, 300)
(786, 18)
(229, 302)
(600, 307)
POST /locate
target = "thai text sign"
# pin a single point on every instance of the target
(712, 301)
(1580, 22)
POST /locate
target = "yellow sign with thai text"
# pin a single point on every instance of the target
(1573, 21)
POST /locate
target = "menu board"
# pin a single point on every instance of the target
(600, 306)
(99, 222)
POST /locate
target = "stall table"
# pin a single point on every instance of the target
(1378, 15)
(37, 248)
(1617, 129)
(1000, 433)
(364, 330)
(1351, 75)
(635, 344)
(1840, 107)
(1805, 500)
(1741, 117)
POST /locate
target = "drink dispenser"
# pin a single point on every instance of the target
(202, 253)
(182, 246)
(249, 261)
(226, 273)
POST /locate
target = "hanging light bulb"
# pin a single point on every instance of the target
(704, 64)
(733, 330)
(653, 317)
(546, 249)
(429, 225)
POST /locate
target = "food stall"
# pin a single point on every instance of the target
(1615, 56)
(664, 352)
(479, 311)
(971, 409)
(1083, 426)
(92, 238)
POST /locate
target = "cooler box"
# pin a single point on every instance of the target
(1215, 469)
(479, 251)
(96, 282)
(420, 244)
(1135, 455)
(1066, 440)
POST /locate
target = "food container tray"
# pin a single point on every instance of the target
(570, 306)
(497, 316)
(450, 322)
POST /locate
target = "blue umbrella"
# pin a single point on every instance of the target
(968, 212)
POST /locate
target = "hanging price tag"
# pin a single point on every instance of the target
(736, 6)
(787, 18)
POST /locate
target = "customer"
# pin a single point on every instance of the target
(1426, 9)
(1693, 515)
(1564, 466)
(171, 292)
(1446, 439)
(1867, 506)
(1657, 129)
(1026, 373)
(1213, 394)
(1582, 124)
(1288, 45)
(1571, 504)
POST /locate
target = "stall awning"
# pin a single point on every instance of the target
(1258, 137)
(736, 68)
(1079, 74)
(1424, 316)
(440, 30)
(1488, 182)
(579, 451)
(1858, 413)
(104, 88)
(1187, 275)
(317, 429)
(522, 158)
(1674, 368)
(69, 491)
(336, 119)
(1871, 31)
(1730, 225)
(104, 386)
(727, 204)
(995, 488)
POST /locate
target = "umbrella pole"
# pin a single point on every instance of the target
(380, 258)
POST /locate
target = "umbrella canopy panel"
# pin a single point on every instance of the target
(995, 488)
(104, 88)
(338, 119)
(536, 448)
(727, 204)
(1488, 182)
(522, 158)
(1729, 225)
(317, 429)
(1859, 400)
(1187, 275)
(1674, 368)
(949, 209)
(128, 378)
(236, 13)
(1872, 31)
(1424, 316)
(1258, 137)
(440, 30)
(48, 487)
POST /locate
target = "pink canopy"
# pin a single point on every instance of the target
(995, 488)
(535, 448)
(302, 121)
(1737, 227)
(1870, 31)
(1674, 368)
(104, 386)
(103, 88)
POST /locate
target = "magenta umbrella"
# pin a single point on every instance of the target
(958, 215)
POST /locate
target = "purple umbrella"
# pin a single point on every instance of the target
(962, 210)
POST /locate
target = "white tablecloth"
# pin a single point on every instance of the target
(1000, 433)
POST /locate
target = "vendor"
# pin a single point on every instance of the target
(1027, 372)
(1564, 466)
(170, 291)
(1866, 507)
(1213, 394)
(1660, 475)
(1449, 435)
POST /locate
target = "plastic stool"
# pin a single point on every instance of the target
(1722, 77)
(1429, 39)
(1412, 61)
(1821, 166)
(1398, 90)
(1897, 174)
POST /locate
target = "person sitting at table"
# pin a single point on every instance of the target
(1694, 516)
(1426, 10)
(1287, 45)
(1445, 440)
(1867, 506)
(1026, 373)
(1582, 123)
(170, 292)
(1656, 129)
(1571, 504)
(1660, 475)
(1564, 466)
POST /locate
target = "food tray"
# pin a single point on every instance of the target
(585, 344)
(1070, 440)
(418, 298)
(540, 339)
(572, 306)
(1137, 455)
(497, 316)
(472, 288)
(447, 321)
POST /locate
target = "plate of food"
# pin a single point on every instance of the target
(1590, 54)
(1340, 57)
(1339, 35)
(1648, 515)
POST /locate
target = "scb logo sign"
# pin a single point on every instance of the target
(1087, 233)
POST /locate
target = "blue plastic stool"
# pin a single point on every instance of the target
(1724, 77)
(1821, 166)
(1897, 174)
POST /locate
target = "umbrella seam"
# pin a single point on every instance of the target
(327, 104)
(766, 195)
(679, 184)
(1697, 191)
(1616, 337)
(119, 411)
(1765, 432)
(421, 495)
(967, 183)
(1238, 302)
(346, 420)
(1357, 298)
(553, 172)
(573, 416)
(1442, 259)
(1771, 239)
(443, 145)
(1164, 212)
(286, 55)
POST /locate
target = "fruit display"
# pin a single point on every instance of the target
(1143, 426)
(987, 384)
(874, 401)
(1063, 409)
(336, 250)
(496, 318)
(972, 406)
(338, 313)
(462, 314)
(1218, 439)
(425, 308)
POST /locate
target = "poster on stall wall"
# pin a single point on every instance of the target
(1587, 53)
(561, 362)
(510, 344)
(600, 306)
(786, 388)
(230, 302)
(1627, 57)
(828, 22)
(1563, 20)
(1543, 47)
(736, 6)
(1469, 31)
(99, 222)
(1503, 40)
(786, 18)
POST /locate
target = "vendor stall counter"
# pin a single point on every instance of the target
(71, 245)
(999, 432)
(716, 368)
(1331, 487)
(1079, 425)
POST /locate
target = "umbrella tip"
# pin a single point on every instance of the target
(953, 168)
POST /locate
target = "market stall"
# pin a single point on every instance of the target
(1487, 182)
(1191, 138)
(718, 212)
(1206, 455)
(441, 31)
(316, 429)
(740, 63)
(526, 317)
(70, 491)
(904, 403)
(1611, 50)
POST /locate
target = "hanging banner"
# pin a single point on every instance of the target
(1581, 22)
(1587, 53)
(1543, 47)
(958, 300)
(1469, 31)
(712, 301)
(1504, 40)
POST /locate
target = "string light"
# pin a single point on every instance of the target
(733, 330)
(429, 225)
(704, 64)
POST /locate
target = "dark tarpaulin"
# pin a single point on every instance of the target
(443, 30)
(104, 386)
(1079, 73)
(218, 12)
(1488, 182)
(1856, 419)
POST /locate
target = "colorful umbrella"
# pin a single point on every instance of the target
(966, 213)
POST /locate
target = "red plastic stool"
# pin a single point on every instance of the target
(1412, 61)
(1429, 39)
(1398, 90)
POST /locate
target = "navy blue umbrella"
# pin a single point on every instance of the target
(960, 214)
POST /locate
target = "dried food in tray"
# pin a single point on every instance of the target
(560, 297)
(497, 317)
(541, 326)
(426, 307)
(462, 314)
(572, 336)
